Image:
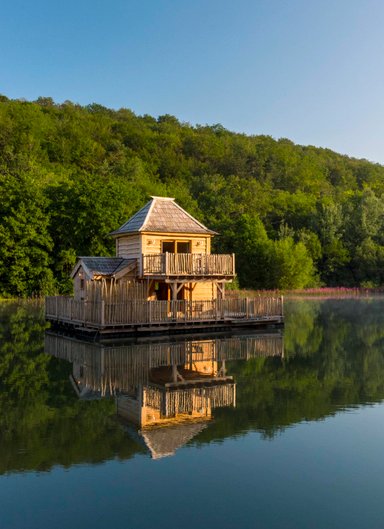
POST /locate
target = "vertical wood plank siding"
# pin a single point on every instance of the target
(110, 311)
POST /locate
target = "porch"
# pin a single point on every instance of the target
(133, 314)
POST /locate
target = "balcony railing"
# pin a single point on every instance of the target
(188, 265)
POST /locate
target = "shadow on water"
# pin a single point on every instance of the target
(60, 408)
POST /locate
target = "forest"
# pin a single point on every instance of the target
(296, 216)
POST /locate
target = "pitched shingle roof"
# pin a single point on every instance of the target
(162, 214)
(103, 265)
(165, 440)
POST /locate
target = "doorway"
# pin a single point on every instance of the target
(164, 292)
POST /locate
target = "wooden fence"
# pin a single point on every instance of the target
(188, 264)
(103, 313)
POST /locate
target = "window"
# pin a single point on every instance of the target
(176, 246)
(183, 247)
(169, 246)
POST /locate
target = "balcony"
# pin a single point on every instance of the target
(188, 265)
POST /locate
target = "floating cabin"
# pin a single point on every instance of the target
(166, 393)
(163, 278)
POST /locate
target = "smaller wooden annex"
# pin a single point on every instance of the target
(162, 276)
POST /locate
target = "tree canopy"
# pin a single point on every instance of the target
(295, 215)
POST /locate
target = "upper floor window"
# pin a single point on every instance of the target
(176, 246)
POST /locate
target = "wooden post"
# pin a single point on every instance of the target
(223, 368)
(166, 272)
(173, 288)
(174, 373)
(102, 362)
(247, 308)
(102, 316)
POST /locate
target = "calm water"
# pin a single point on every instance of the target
(272, 431)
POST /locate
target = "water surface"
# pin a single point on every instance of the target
(298, 445)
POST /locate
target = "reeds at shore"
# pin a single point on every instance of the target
(334, 292)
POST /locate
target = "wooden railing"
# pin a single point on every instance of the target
(101, 314)
(188, 264)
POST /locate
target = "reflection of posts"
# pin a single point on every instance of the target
(105, 370)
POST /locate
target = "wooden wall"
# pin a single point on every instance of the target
(204, 291)
(151, 244)
(144, 415)
(129, 247)
(78, 292)
(129, 408)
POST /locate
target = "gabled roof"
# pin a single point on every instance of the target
(103, 266)
(162, 214)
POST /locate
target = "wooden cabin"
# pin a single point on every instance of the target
(166, 250)
(163, 276)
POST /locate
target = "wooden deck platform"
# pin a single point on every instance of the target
(139, 316)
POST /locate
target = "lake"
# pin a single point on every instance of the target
(278, 429)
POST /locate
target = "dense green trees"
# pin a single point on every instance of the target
(295, 215)
(25, 241)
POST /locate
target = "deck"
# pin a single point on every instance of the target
(162, 315)
(188, 265)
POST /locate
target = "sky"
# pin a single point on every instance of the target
(308, 70)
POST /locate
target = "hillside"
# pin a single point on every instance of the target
(295, 216)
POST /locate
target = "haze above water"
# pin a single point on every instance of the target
(295, 442)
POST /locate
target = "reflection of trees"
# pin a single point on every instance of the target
(23, 364)
(41, 421)
(334, 358)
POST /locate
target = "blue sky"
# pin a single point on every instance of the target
(308, 70)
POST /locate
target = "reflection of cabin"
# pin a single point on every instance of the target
(163, 274)
(165, 392)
